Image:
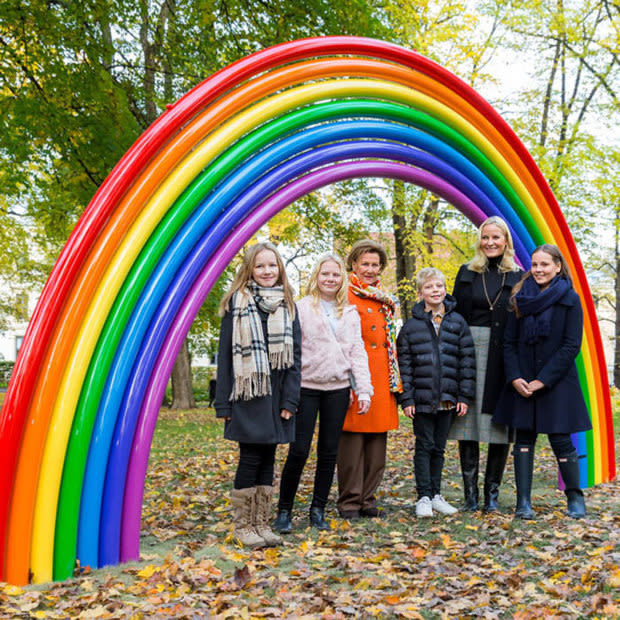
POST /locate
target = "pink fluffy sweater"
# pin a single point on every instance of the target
(327, 358)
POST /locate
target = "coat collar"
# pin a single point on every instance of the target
(418, 310)
(512, 277)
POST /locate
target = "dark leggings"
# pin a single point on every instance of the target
(332, 405)
(255, 465)
(561, 443)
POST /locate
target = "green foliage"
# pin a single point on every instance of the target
(6, 368)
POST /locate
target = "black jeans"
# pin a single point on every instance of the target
(561, 443)
(255, 465)
(332, 405)
(431, 433)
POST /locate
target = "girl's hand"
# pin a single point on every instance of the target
(461, 409)
(535, 385)
(522, 387)
(409, 411)
(364, 406)
(285, 414)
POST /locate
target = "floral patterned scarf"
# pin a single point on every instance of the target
(389, 302)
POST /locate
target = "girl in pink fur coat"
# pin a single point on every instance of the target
(334, 362)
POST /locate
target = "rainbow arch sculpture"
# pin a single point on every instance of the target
(78, 418)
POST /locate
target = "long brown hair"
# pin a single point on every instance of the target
(244, 275)
(558, 259)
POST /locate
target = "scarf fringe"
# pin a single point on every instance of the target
(281, 359)
(252, 386)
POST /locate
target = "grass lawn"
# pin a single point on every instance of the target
(463, 566)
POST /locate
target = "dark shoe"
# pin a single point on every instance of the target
(496, 462)
(349, 514)
(469, 453)
(575, 504)
(282, 522)
(317, 518)
(372, 512)
(524, 467)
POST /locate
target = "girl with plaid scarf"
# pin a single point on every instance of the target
(258, 383)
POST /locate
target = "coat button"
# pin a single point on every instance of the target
(368, 309)
(385, 345)
(373, 345)
(373, 328)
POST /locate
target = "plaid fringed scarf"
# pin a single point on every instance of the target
(390, 302)
(253, 358)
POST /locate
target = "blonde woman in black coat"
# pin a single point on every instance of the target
(482, 290)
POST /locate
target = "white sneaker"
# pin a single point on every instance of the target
(423, 507)
(441, 505)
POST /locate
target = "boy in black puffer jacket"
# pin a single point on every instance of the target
(438, 369)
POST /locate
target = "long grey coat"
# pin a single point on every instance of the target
(258, 420)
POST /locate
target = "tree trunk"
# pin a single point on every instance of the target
(182, 392)
(405, 261)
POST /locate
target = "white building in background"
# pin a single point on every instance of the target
(11, 341)
(13, 333)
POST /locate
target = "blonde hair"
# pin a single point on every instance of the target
(364, 246)
(244, 275)
(426, 274)
(558, 259)
(313, 283)
(480, 262)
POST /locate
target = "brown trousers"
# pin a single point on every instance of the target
(361, 463)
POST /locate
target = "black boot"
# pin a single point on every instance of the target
(524, 467)
(282, 522)
(569, 468)
(496, 462)
(469, 453)
(317, 518)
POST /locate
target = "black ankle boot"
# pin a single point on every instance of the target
(282, 522)
(469, 453)
(317, 518)
(524, 467)
(496, 462)
(569, 468)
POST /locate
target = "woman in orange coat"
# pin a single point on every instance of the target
(363, 443)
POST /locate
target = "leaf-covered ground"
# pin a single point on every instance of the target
(464, 566)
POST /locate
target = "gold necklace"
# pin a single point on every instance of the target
(486, 294)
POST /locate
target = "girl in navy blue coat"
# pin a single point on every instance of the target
(542, 393)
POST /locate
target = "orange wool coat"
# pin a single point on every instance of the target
(383, 414)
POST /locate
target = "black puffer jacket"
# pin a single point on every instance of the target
(436, 367)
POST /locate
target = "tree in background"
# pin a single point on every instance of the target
(80, 81)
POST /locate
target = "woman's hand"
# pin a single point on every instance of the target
(535, 385)
(364, 406)
(522, 387)
(461, 409)
(409, 411)
(285, 414)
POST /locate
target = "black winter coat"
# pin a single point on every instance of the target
(258, 420)
(559, 407)
(436, 367)
(494, 377)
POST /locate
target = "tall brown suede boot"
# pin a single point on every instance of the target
(244, 505)
(264, 495)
